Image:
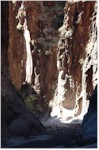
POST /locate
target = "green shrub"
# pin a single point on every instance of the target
(34, 104)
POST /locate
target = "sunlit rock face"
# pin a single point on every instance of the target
(58, 61)
(53, 48)
(76, 60)
(29, 63)
(33, 51)
(16, 119)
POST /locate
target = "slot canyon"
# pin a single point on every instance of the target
(49, 65)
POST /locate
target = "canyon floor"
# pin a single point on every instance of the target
(66, 136)
(54, 137)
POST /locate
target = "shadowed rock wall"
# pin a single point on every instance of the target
(16, 119)
(52, 52)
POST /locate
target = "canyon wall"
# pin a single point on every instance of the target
(33, 45)
(16, 119)
(76, 59)
(49, 49)
(88, 130)
(33, 49)
(53, 51)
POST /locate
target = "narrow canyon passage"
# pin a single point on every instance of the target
(49, 74)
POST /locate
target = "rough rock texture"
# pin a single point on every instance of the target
(89, 126)
(17, 49)
(88, 130)
(52, 54)
(76, 59)
(16, 119)
(58, 62)
(33, 45)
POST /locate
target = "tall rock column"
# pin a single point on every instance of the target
(76, 59)
(33, 45)
(16, 118)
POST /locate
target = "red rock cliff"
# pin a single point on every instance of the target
(58, 61)
(16, 119)
(34, 62)
(76, 58)
(53, 51)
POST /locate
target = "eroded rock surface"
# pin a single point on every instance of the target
(49, 50)
(89, 125)
(55, 52)
(16, 119)
(76, 59)
(33, 45)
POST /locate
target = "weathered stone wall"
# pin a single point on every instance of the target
(53, 49)
(54, 54)
(77, 57)
(42, 20)
(17, 48)
(88, 129)
(16, 119)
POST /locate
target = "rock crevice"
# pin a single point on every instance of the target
(49, 64)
